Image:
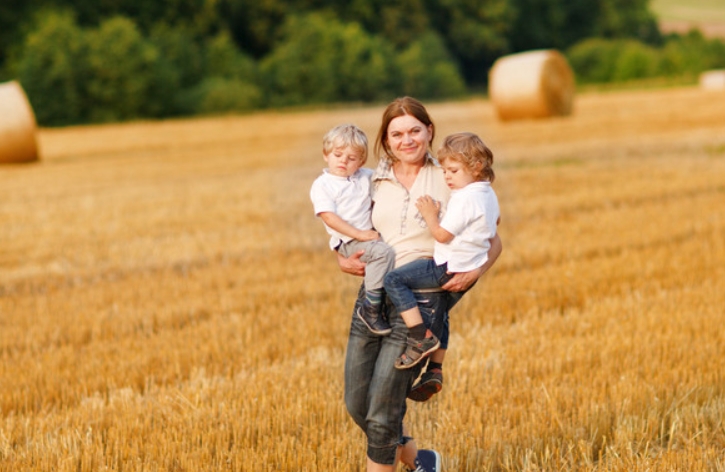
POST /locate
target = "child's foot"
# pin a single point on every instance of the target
(416, 351)
(373, 319)
(430, 383)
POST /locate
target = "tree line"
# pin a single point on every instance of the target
(96, 61)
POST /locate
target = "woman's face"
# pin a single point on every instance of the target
(408, 139)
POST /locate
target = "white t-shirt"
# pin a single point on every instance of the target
(471, 217)
(347, 197)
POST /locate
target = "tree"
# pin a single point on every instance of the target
(231, 81)
(321, 60)
(476, 32)
(428, 70)
(51, 67)
(122, 66)
(560, 24)
(255, 24)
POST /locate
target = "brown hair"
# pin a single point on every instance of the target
(400, 107)
(472, 152)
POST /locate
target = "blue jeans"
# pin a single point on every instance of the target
(419, 275)
(375, 391)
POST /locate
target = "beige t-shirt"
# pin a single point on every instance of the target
(395, 216)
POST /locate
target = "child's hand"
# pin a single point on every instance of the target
(428, 207)
(368, 235)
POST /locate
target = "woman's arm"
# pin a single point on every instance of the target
(464, 280)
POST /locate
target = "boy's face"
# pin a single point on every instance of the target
(343, 161)
(457, 175)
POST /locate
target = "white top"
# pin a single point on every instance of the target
(471, 217)
(347, 197)
(395, 216)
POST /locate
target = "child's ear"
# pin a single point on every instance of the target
(478, 168)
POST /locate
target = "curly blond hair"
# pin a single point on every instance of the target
(472, 152)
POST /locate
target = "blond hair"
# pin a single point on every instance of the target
(346, 135)
(472, 152)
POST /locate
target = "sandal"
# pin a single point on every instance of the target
(416, 351)
(431, 382)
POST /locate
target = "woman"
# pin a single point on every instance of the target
(375, 391)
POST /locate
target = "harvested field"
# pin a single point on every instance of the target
(680, 16)
(168, 301)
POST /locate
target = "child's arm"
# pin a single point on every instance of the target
(341, 226)
(429, 209)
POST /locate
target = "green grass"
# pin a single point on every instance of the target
(689, 10)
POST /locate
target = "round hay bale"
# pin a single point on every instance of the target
(713, 80)
(532, 84)
(17, 125)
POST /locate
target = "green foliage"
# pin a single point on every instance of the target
(476, 32)
(635, 61)
(185, 55)
(599, 60)
(223, 59)
(231, 82)
(179, 69)
(220, 95)
(121, 71)
(593, 60)
(321, 60)
(51, 68)
(256, 24)
(428, 71)
(399, 22)
(692, 53)
(124, 59)
(562, 23)
(198, 16)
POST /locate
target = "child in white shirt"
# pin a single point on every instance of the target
(462, 240)
(341, 198)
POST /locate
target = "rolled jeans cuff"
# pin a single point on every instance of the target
(383, 455)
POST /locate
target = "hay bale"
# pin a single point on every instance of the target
(17, 125)
(533, 84)
(713, 80)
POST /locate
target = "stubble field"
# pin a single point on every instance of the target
(168, 301)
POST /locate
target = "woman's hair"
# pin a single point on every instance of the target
(400, 107)
(472, 152)
(346, 135)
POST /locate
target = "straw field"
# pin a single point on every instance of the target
(168, 301)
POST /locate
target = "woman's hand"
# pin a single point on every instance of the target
(351, 265)
(464, 280)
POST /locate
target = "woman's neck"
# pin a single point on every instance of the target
(406, 172)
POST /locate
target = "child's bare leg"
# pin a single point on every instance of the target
(412, 317)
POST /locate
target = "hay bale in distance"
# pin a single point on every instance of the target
(17, 125)
(532, 84)
(712, 80)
